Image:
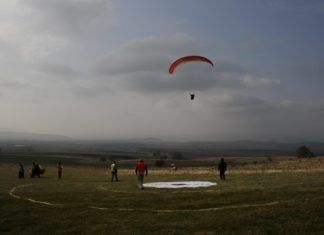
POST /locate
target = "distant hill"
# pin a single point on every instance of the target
(46, 143)
(231, 148)
(23, 136)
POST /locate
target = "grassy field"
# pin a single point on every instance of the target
(267, 197)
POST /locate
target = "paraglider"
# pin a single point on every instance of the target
(186, 59)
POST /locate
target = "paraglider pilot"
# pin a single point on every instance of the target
(192, 96)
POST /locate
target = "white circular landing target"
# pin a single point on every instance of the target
(180, 184)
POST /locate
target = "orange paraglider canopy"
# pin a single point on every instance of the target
(186, 59)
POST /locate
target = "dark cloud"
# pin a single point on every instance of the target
(258, 118)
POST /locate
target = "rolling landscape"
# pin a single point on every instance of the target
(161, 117)
(265, 182)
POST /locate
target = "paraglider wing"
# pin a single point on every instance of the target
(186, 59)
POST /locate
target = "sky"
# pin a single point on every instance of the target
(98, 69)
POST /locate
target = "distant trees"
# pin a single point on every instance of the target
(168, 155)
(177, 156)
(159, 163)
(303, 152)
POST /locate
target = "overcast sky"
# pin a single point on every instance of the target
(98, 69)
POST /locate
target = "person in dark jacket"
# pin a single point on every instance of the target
(35, 170)
(222, 167)
(59, 169)
(21, 172)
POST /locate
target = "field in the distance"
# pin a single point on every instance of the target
(271, 197)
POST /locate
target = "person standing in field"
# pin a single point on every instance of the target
(113, 168)
(21, 172)
(35, 171)
(59, 169)
(140, 170)
(222, 167)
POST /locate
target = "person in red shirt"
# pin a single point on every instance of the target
(140, 170)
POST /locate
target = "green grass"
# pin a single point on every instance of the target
(239, 205)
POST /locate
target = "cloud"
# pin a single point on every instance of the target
(12, 84)
(69, 17)
(234, 102)
(260, 82)
(40, 42)
(36, 29)
(58, 71)
(91, 91)
(145, 54)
